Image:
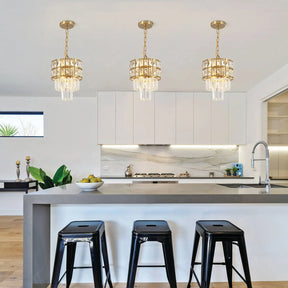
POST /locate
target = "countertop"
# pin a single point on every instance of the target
(156, 178)
(156, 193)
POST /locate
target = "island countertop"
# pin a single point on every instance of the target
(157, 193)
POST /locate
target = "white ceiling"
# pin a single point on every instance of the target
(106, 37)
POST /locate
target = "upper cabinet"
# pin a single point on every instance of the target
(184, 118)
(164, 118)
(171, 118)
(106, 118)
(144, 119)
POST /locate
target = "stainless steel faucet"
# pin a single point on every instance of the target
(267, 180)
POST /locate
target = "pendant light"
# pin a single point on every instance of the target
(66, 72)
(217, 72)
(145, 72)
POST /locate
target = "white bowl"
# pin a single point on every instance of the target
(89, 186)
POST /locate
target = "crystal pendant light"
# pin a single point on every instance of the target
(145, 72)
(66, 72)
(217, 72)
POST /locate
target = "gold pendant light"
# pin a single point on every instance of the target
(66, 72)
(217, 72)
(145, 72)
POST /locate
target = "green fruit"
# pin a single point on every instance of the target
(98, 179)
(91, 176)
(84, 180)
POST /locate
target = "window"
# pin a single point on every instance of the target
(21, 124)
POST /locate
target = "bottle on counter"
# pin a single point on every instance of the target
(128, 171)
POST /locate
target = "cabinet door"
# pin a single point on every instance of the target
(124, 117)
(220, 121)
(106, 118)
(202, 118)
(143, 120)
(164, 118)
(184, 118)
(237, 118)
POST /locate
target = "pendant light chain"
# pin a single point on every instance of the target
(145, 42)
(66, 43)
(217, 43)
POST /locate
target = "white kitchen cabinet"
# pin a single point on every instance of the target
(124, 117)
(106, 118)
(220, 121)
(184, 118)
(202, 118)
(237, 117)
(164, 118)
(144, 120)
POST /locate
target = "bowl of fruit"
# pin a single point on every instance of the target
(91, 183)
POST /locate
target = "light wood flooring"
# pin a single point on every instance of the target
(11, 255)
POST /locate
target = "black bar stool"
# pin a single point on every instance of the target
(92, 232)
(213, 231)
(151, 230)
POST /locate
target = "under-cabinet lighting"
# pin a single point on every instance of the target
(278, 148)
(203, 146)
(120, 146)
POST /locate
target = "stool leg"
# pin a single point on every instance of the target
(208, 263)
(194, 254)
(96, 261)
(134, 256)
(169, 262)
(57, 262)
(71, 249)
(105, 259)
(227, 249)
(244, 258)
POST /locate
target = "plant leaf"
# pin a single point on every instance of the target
(36, 173)
(60, 174)
(48, 182)
(42, 185)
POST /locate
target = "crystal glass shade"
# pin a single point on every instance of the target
(145, 74)
(66, 74)
(217, 74)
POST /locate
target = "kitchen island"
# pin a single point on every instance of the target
(262, 216)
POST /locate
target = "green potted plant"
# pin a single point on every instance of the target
(228, 171)
(234, 171)
(61, 177)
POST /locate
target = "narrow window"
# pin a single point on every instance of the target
(21, 124)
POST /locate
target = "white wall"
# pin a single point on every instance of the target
(70, 138)
(256, 118)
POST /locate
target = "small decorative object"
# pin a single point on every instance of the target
(91, 183)
(228, 171)
(128, 171)
(18, 171)
(234, 171)
(27, 169)
(211, 174)
(61, 177)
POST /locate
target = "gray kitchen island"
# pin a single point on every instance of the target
(180, 204)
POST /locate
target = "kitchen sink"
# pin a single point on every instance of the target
(251, 186)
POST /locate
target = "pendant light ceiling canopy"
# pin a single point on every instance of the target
(145, 72)
(66, 72)
(217, 72)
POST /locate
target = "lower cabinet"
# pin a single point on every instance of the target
(171, 118)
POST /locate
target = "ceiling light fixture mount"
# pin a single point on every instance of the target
(145, 72)
(217, 72)
(66, 72)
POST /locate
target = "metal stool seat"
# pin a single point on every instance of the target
(151, 230)
(92, 232)
(213, 231)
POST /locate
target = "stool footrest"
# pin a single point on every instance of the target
(151, 266)
(214, 263)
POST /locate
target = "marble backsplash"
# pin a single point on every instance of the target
(166, 159)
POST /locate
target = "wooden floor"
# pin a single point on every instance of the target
(11, 255)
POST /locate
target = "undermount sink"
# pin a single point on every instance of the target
(251, 186)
